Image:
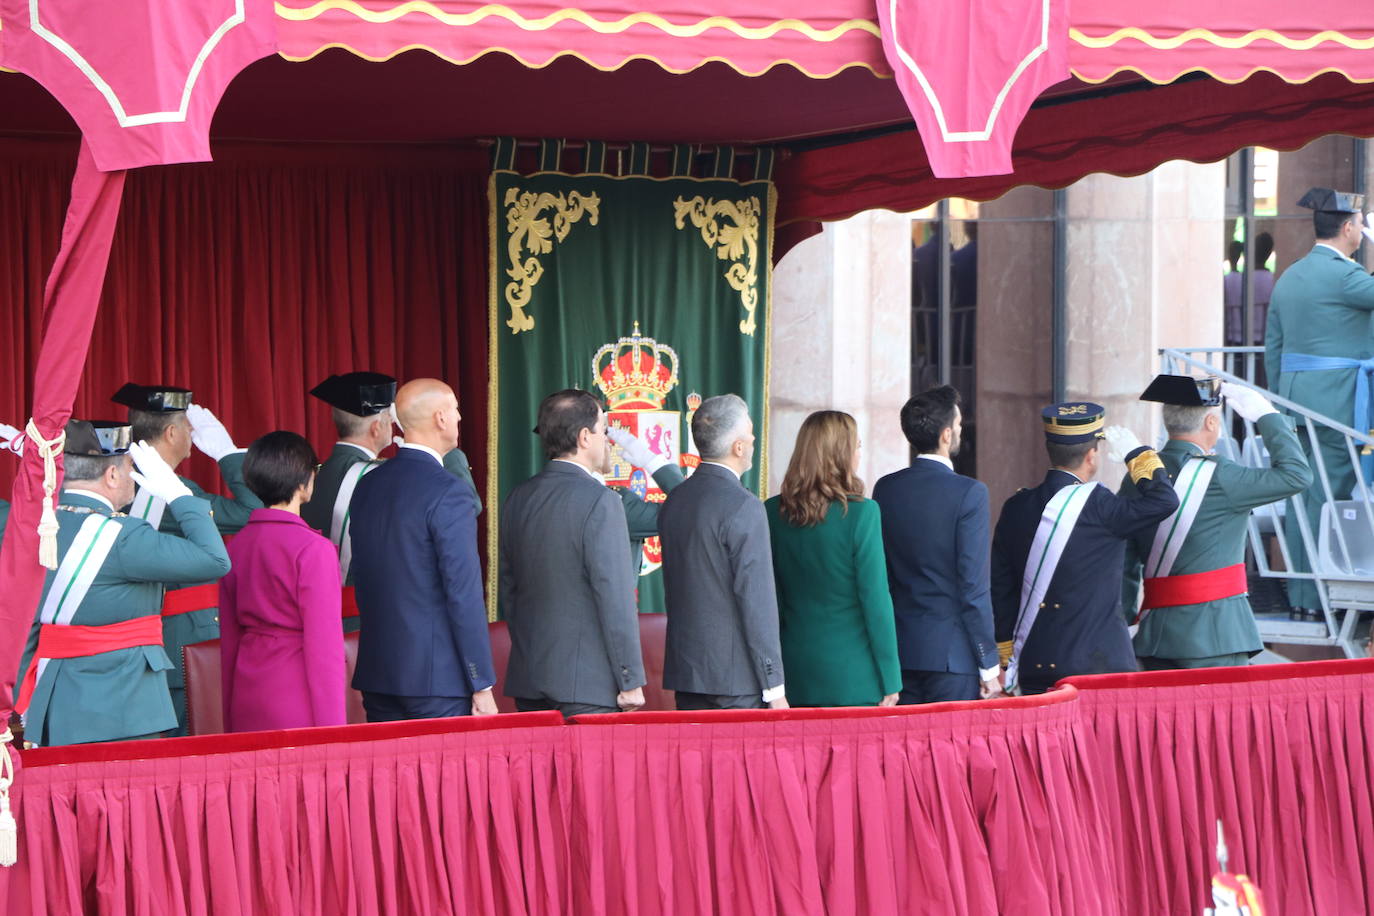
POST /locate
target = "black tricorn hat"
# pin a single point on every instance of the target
(153, 398)
(362, 394)
(97, 438)
(1329, 201)
(1184, 391)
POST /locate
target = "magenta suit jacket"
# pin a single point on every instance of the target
(281, 633)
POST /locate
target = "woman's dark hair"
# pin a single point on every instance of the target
(277, 465)
(562, 417)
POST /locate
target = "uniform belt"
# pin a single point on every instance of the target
(1195, 588)
(57, 640)
(350, 602)
(186, 600)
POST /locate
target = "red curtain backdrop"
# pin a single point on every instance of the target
(251, 278)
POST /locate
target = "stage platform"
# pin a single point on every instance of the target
(1101, 797)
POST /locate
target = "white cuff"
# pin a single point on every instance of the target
(989, 674)
(775, 693)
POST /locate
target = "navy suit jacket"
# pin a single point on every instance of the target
(935, 534)
(421, 606)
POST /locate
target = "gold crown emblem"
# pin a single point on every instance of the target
(635, 372)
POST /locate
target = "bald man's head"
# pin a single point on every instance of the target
(427, 410)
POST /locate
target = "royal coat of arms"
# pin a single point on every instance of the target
(636, 374)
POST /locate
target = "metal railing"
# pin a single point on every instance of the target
(1340, 556)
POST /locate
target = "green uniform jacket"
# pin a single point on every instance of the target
(230, 514)
(1216, 540)
(642, 516)
(1321, 306)
(839, 635)
(120, 694)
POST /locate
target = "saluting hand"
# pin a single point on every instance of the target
(1120, 442)
(1250, 404)
(154, 475)
(11, 439)
(208, 433)
(635, 450)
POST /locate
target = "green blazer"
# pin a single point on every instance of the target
(124, 693)
(1216, 540)
(839, 636)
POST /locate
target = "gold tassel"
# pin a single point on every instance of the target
(9, 828)
(48, 450)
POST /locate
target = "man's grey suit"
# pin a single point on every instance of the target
(719, 589)
(567, 591)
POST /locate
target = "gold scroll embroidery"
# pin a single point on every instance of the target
(527, 231)
(732, 228)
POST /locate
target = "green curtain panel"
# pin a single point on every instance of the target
(650, 293)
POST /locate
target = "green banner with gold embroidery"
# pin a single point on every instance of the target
(650, 293)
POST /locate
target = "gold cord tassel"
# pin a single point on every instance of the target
(48, 450)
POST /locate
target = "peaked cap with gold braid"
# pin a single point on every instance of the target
(1073, 422)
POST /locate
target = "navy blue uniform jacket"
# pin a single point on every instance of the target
(935, 534)
(421, 606)
(1080, 628)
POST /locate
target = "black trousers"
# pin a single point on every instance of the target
(937, 687)
(695, 701)
(386, 707)
(567, 709)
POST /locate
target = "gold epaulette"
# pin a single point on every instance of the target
(1144, 465)
(1004, 651)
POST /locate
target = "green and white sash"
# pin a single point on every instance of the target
(148, 507)
(75, 573)
(1193, 479)
(339, 526)
(1051, 537)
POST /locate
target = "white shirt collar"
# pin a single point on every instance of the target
(590, 473)
(1335, 249)
(727, 467)
(371, 455)
(77, 491)
(934, 456)
(425, 448)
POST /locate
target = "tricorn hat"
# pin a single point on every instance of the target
(362, 394)
(97, 438)
(1184, 391)
(1329, 201)
(153, 398)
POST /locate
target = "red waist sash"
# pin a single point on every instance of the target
(350, 602)
(57, 640)
(186, 600)
(1195, 588)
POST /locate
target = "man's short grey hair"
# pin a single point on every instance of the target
(86, 468)
(718, 423)
(1180, 421)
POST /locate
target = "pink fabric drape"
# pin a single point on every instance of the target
(1283, 755)
(1099, 797)
(69, 305)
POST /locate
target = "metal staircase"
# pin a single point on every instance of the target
(1340, 552)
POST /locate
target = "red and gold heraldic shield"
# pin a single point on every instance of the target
(636, 374)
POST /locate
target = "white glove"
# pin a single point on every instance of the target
(154, 475)
(1120, 442)
(1247, 402)
(1366, 228)
(635, 450)
(395, 417)
(208, 433)
(11, 439)
(398, 441)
